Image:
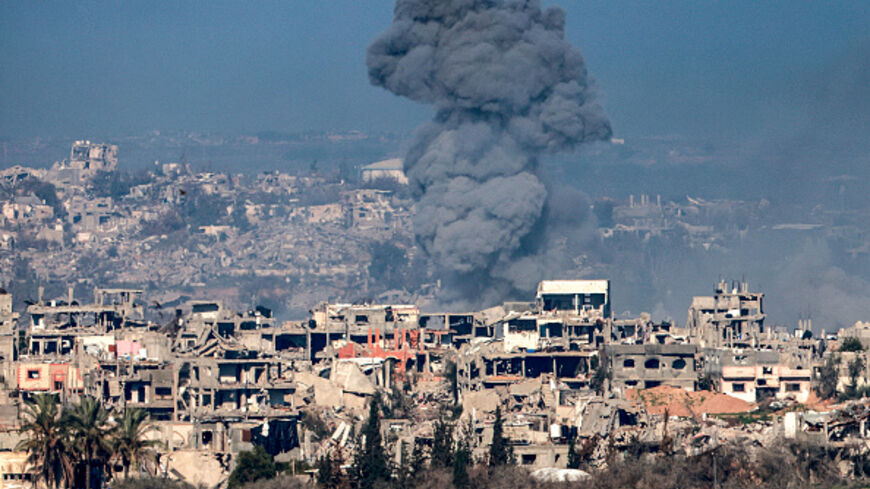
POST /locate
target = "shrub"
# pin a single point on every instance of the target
(252, 466)
(150, 483)
(851, 344)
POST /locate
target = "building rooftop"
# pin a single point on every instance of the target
(391, 164)
(573, 287)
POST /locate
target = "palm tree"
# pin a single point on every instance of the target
(129, 443)
(88, 423)
(45, 440)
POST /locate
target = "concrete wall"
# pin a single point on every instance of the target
(43, 376)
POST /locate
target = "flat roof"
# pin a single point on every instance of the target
(391, 164)
(573, 287)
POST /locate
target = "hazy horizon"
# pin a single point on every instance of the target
(724, 71)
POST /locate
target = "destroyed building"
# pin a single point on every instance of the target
(646, 366)
(755, 375)
(217, 381)
(733, 316)
(392, 169)
(85, 160)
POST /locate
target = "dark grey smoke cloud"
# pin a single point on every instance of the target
(507, 87)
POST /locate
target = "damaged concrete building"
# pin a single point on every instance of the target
(217, 381)
(85, 159)
(650, 365)
(733, 316)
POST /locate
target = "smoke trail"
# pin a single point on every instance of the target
(507, 87)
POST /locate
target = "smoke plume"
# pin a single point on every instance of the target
(507, 87)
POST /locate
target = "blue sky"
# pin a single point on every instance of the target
(699, 69)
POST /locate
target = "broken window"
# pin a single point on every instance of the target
(361, 318)
(738, 387)
(626, 418)
(203, 308)
(767, 370)
(33, 374)
(792, 387)
(652, 363)
(679, 364)
(226, 329)
(628, 363)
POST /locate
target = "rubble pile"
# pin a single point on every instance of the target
(674, 401)
(573, 388)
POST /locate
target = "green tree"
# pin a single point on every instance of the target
(500, 453)
(89, 427)
(405, 477)
(442, 443)
(705, 383)
(601, 376)
(573, 457)
(856, 368)
(324, 471)
(461, 461)
(252, 466)
(329, 473)
(417, 459)
(239, 217)
(829, 375)
(44, 438)
(851, 344)
(370, 464)
(453, 378)
(129, 443)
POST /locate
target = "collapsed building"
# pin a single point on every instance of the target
(85, 160)
(731, 317)
(216, 381)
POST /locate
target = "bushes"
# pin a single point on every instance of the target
(151, 483)
(500, 453)
(787, 466)
(280, 482)
(828, 377)
(251, 467)
(851, 344)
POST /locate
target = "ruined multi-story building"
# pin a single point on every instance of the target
(85, 155)
(732, 317)
(217, 381)
(755, 375)
(391, 169)
(85, 160)
(646, 366)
